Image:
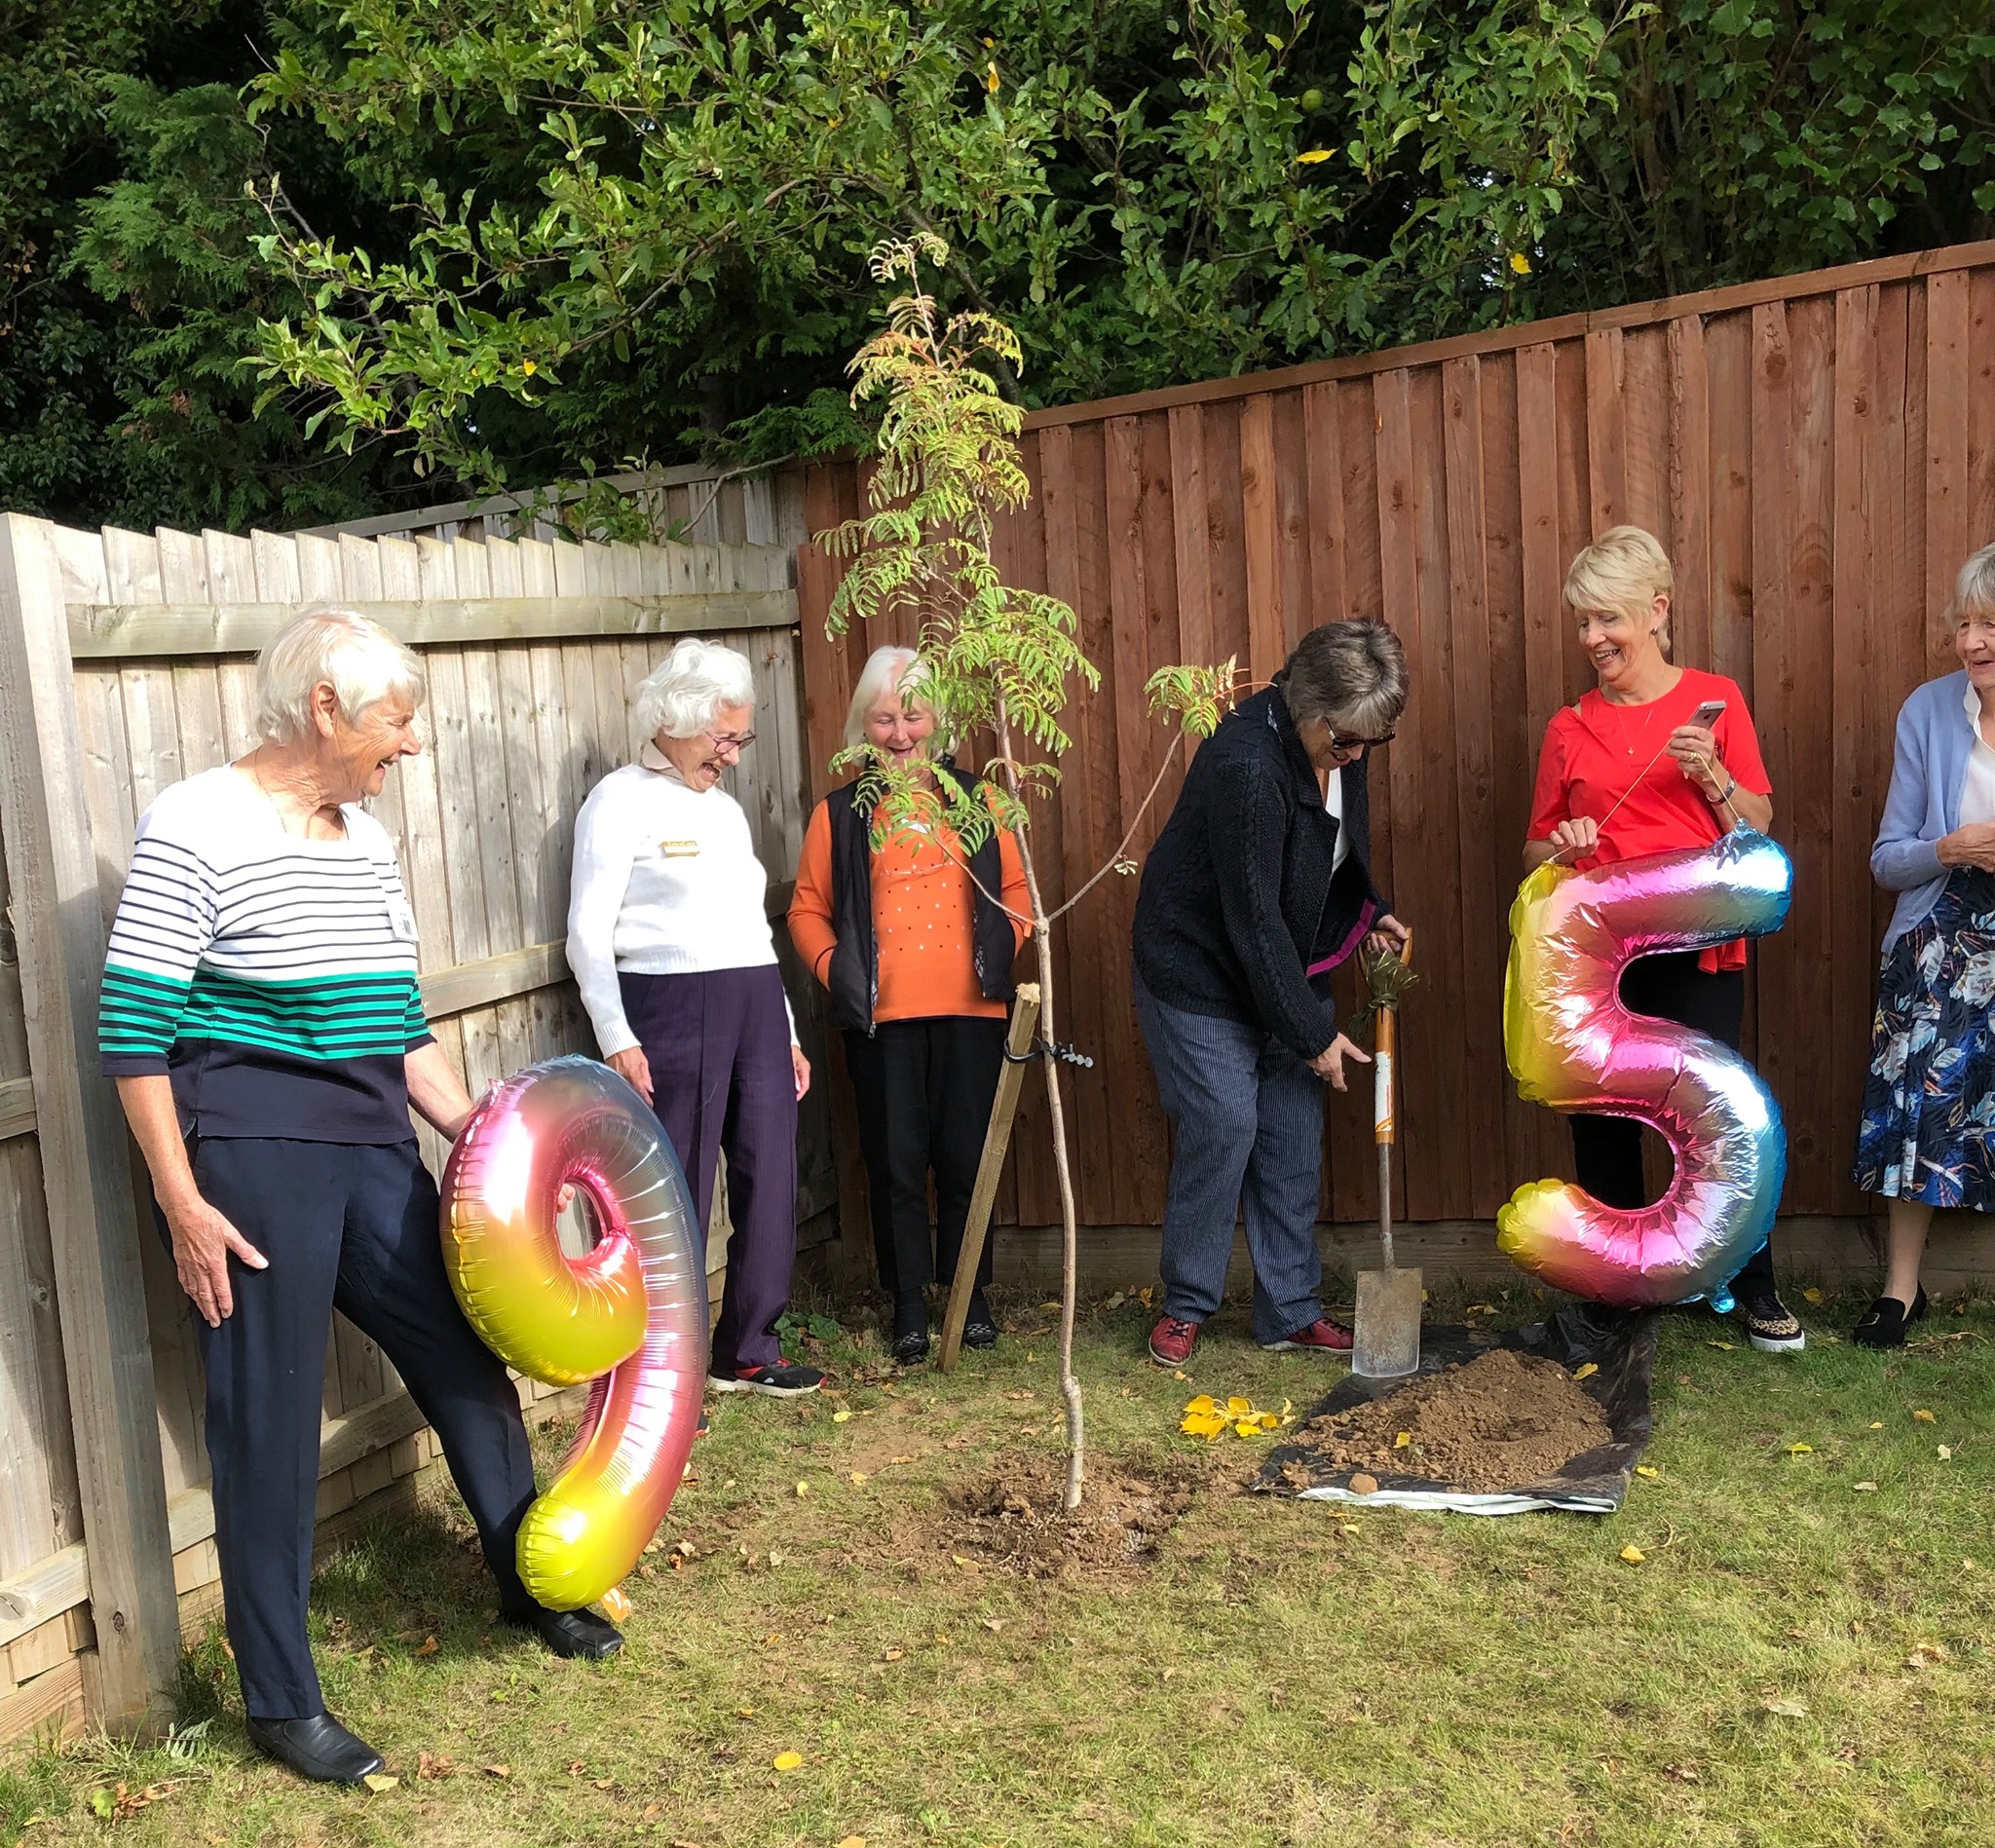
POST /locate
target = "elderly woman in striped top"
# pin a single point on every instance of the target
(262, 1023)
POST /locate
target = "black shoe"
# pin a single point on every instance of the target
(1885, 1322)
(980, 1333)
(780, 1378)
(317, 1748)
(1772, 1327)
(573, 1635)
(912, 1348)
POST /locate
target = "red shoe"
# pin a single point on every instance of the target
(1172, 1341)
(1322, 1335)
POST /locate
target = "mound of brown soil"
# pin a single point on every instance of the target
(1503, 1419)
(1012, 1520)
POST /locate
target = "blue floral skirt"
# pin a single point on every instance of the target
(1928, 1104)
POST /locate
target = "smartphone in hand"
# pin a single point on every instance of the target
(1708, 714)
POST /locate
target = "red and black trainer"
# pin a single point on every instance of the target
(1172, 1341)
(1322, 1335)
(785, 1379)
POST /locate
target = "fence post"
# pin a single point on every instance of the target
(60, 936)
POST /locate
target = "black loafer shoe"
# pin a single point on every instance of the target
(573, 1635)
(980, 1333)
(912, 1348)
(317, 1748)
(1885, 1322)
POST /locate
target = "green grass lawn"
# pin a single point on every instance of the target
(1796, 1659)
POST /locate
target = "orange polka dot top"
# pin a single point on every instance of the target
(922, 898)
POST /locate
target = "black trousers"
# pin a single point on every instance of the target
(925, 1090)
(1607, 1149)
(353, 1228)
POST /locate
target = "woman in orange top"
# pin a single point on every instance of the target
(1656, 757)
(914, 940)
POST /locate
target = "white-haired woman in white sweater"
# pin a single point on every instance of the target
(669, 940)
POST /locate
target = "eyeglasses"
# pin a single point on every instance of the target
(736, 741)
(1351, 746)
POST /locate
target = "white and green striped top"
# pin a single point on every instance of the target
(273, 978)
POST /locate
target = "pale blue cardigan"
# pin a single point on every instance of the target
(1929, 768)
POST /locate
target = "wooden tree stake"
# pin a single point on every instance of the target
(1024, 1017)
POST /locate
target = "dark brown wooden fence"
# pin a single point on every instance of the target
(1817, 453)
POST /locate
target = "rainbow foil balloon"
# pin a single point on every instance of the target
(1573, 1045)
(630, 1316)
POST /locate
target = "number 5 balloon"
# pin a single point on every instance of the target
(1573, 1045)
(630, 1316)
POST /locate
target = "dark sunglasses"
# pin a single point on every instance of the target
(1351, 746)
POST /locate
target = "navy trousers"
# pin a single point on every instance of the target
(925, 1090)
(718, 1045)
(1247, 1127)
(353, 1228)
(1607, 1151)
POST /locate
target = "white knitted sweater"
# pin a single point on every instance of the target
(666, 883)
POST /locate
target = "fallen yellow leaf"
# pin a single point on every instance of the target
(1403, 1441)
(429, 1646)
(497, 1770)
(788, 1760)
(1927, 1655)
(1642, 1469)
(1877, 1424)
(1634, 1555)
(1790, 1709)
(379, 1780)
(1800, 1449)
(967, 1565)
(1946, 1452)
(1724, 1347)
(744, 1712)
(1247, 1428)
(859, 1475)
(1205, 1424)
(1587, 1372)
(896, 1655)
(1864, 1488)
(1925, 1417)
(803, 1488)
(1811, 1295)
(842, 1415)
(1202, 1404)
(900, 1459)
(1238, 1408)
(852, 1841)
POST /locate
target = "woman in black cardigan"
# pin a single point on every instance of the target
(1259, 886)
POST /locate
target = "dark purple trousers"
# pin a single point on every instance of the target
(718, 1045)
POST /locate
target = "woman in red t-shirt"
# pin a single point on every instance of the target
(1629, 771)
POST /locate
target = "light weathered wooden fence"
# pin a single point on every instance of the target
(1817, 452)
(126, 664)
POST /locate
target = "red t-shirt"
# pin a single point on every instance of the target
(1595, 751)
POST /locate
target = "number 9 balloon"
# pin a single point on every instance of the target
(630, 1316)
(1572, 1045)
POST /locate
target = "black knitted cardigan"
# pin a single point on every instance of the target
(1239, 915)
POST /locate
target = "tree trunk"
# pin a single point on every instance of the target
(1069, 1238)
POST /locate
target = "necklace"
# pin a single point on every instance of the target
(1633, 740)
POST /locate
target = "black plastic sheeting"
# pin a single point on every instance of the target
(1594, 1482)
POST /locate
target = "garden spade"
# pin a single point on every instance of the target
(1387, 1337)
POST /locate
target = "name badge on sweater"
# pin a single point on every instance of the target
(679, 849)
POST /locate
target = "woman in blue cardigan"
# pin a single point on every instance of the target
(1927, 1133)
